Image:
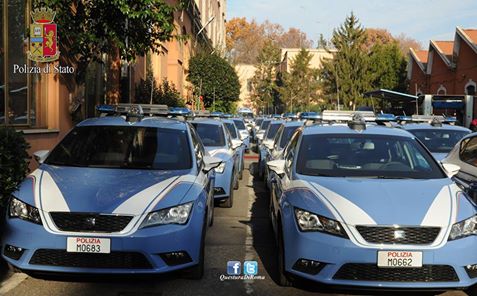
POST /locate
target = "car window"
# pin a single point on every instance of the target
(212, 135)
(366, 156)
(278, 137)
(287, 134)
(468, 152)
(439, 140)
(290, 152)
(272, 130)
(265, 124)
(198, 148)
(123, 147)
(232, 129)
(239, 123)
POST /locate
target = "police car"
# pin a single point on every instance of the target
(368, 206)
(235, 136)
(263, 147)
(129, 194)
(217, 141)
(435, 134)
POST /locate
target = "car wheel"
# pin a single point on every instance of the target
(229, 202)
(197, 272)
(283, 279)
(241, 174)
(472, 290)
(236, 182)
(211, 221)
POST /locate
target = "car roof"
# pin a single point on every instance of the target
(277, 122)
(293, 123)
(228, 121)
(422, 126)
(344, 129)
(157, 122)
(207, 121)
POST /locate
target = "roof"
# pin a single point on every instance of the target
(391, 95)
(444, 49)
(421, 126)
(158, 122)
(421, 57)
(293, 123)
(273, 122)
(344, 129)
(472, 34)
(469, 36)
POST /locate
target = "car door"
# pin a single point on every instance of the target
(282, 183)
(468, 159)
(207, 179)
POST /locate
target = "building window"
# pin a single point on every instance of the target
(470, 88)
(17, 88)
(442, 90)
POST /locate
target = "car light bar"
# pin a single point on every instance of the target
(133, 109)
(345, 116)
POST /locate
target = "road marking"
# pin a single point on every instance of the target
(249, 251)
(12, 282)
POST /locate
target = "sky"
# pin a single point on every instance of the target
(422, 20)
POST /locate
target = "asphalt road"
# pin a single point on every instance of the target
(240, 233)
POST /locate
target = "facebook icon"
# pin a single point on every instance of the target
(250, 268)
(233, 267)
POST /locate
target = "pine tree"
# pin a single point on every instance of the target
(300, 86)
(347, 74)
(264, 91)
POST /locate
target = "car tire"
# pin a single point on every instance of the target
(229, 202)
(283, 278)
(236, 182)
(241, 174)
(211, 222)
(197, 272)
(472, 290)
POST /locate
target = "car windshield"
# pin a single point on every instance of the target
(232, 130)
(370, 156)
(239, 123)
(123, 147)
(212, 135)
(287, 134)
(259, 122)
(272, 130)
(265, 125)
(438, 140)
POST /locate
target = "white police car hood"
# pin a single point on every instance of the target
(219, 152)
(99, 190)
(357, 201)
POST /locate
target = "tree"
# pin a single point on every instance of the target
(347, 74)
(376, 36)
(388, 67)
(121, 29)
(245, 39)
(264, 93)
(322, 42)
(300, 86)
(215, 80)
(406, 42)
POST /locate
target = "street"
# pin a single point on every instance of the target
(240, 233)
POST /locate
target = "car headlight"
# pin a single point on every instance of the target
(19, 209)
(220, 169)
(463, 228)
(175, 215)
(312, 222)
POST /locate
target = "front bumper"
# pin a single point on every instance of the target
(344, 263)
(137, 253)
(223, 183)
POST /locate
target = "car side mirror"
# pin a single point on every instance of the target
(277, 166)
(41, 155)
(236, 144)
(450, 169)
(269, 145)
(211, 163)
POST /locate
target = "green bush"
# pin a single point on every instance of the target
(14, 161)
(165, 94)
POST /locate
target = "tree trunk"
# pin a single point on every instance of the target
(113, 77)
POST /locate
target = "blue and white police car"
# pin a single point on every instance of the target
(368, 206)
(435, 134)
(217, 141)
(267, 141)
(118, 195)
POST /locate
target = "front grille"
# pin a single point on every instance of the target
(114, 260)
(84, 222)
(399, 235)
(372, 273)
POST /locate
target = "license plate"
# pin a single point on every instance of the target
(88, 245)
(397, 259)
